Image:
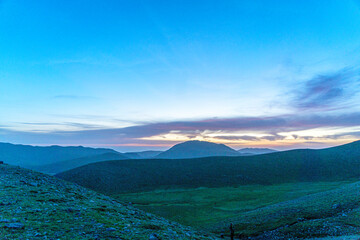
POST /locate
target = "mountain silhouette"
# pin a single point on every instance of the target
(196, 149)
(29, 156)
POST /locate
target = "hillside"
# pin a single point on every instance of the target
(196, 149)
(38, 206)
(27, 156)
(332, 164)
(62, 166)
(143, 154)
(330, 213)
(255, 151)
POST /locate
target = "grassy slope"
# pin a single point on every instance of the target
(333, 164)
(51, 208)
(202, 207)
(330, 213)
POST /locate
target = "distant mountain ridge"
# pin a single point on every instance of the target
(27, 156)
(255, 151)
(197, 149)
(62, 166)
(330, 164)
(143, 154)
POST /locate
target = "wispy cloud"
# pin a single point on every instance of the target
(270, 129)
(326, 91)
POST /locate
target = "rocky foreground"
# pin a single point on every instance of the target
(38, 206)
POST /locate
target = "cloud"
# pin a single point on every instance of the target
(270, 127)
(236, 138)
(326, 91)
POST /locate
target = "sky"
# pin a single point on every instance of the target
(136, 75)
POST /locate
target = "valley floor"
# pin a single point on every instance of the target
(203, 207)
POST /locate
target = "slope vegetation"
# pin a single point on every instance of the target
(329, 213)
(111, 177)
(38, 206)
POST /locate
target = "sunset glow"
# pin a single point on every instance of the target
(150, 75)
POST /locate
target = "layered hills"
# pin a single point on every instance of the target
(331, 164)
(29, 156)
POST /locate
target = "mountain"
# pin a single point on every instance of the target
(255, 151)
(143, 154)
(331, 164)
(27, 156)
(62, 166)
(196, 149)
(39, 206)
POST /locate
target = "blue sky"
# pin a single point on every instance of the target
(147, 74)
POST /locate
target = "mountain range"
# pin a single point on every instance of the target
(56, 159)
(331, 164)
(62, 166)
(29, 156)
(255, 151)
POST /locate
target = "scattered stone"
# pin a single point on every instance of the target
(14, 225)
(153, 236)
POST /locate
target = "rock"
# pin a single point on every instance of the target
(1, 162)
(153, 236)
(110, 229)
(14, 225)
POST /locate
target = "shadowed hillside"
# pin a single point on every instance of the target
(27, 156)
(332, 164)
(62, 166)
(38, 206)
(196, 149)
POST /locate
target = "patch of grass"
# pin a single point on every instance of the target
(152, 226)
(202, 207)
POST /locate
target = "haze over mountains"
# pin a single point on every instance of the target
(143, 154)
(255, 151)
(62, 166)
(56, 159)
(29, 156)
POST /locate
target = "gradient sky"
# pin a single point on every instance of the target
(138, 75)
